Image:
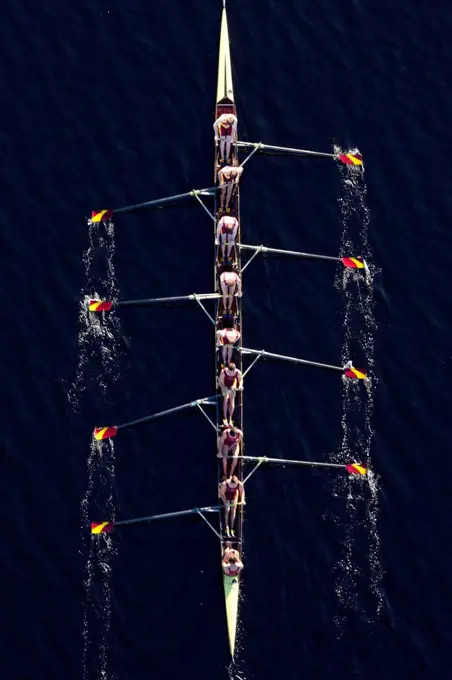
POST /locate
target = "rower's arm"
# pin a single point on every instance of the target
(218, 232)
(219, 338)
(239, 287)
(239, 380)
(221, 441)
(234, 232)
(221, 378)
(222, 491)
(215, 128)
(242, 493)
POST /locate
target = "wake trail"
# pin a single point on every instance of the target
(360, 566)
(98, 503)
(97, 371)
(98, 346)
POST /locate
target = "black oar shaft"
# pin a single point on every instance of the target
(295, 253)
(167, 515)
(175, 409)
(310, 463)
(293, 360)
(303, 152)
(177, 298)
(164, 201)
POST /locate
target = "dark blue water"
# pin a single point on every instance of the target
(342, 580)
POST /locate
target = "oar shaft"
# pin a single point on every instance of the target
(293, 360)
(175, 409)
(167, 515)
(177, 298)
(164, 201)
(310, 463)
(295, 253)
(287, 149)
(255, 150)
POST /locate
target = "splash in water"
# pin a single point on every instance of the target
(98, 346)
(236, 669)
(98, 503)
(361, 529)
(97, 370)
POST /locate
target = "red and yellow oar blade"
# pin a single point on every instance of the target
(353, 262)
(357, 469)
(355, 373)
(101, 215)
(101, 527)
(350, 158)
(105, 432)
(100, 305)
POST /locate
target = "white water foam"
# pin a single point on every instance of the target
(234, 673)
(362, 501)
(98, 503)
(97, 370)
(98, 345)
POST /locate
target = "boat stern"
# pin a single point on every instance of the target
(231, 594)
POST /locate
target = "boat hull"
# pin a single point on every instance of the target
(231, 596)
(225, 104)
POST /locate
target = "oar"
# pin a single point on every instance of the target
(107, 305)
(348, 370)
(348, 262)
(106, 215)
(348, 158)
(352, 468)
(111, 431)
(107, 526)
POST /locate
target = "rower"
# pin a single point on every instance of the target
(230, 284)
(231, 562)
(228, 447)
(226, 234)
(230, 380)
(225, 128)
(227, 338)
(229, 177)
(231, 492)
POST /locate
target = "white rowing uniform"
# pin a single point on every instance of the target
(230, 173)
(225, 127)
(229, 281)
(227, 336)
(227, 229)
(228, 568)
(232, 569)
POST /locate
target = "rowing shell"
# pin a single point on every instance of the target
(225, 104)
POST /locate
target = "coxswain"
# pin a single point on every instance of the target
(226, 234)
(230, 284)
(230, 380)
(225, 128)
(229, 447)
(227, 338)
(229, 177)
(231, 563)
(232, 492)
